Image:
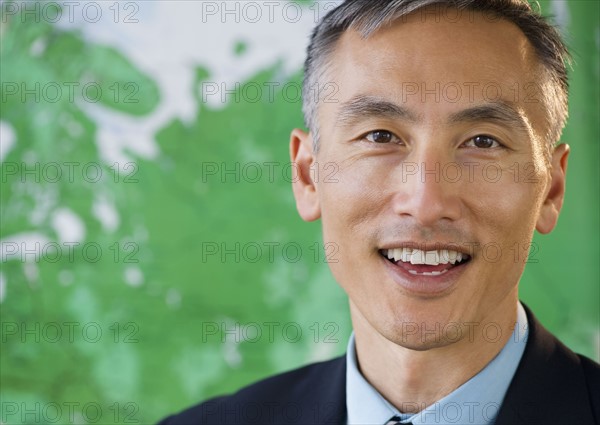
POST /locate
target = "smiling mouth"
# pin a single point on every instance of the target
(425, 263)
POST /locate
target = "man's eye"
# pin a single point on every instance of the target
(381, 136)
(483, 142)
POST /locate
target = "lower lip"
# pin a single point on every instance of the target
(422, 284)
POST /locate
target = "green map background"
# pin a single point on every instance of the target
(159, 291)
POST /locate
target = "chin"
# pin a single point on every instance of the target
(415, 326)
(418, 339)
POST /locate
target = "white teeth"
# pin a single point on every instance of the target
(444, 256)
(434, 273)
(416, 256)
(452, 256)
(432, 258)
(406, 254)
(428, 273)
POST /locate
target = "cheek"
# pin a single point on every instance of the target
(506, 211)
(350, 198)
(350, 207)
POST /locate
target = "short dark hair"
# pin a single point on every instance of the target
(367, 16)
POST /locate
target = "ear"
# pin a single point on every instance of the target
(556, 190)
(305, 190)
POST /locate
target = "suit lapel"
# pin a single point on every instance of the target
(548, 386)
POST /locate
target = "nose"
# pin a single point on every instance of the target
(427, 189)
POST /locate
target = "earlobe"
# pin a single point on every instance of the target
(303, 186)
(556, 192)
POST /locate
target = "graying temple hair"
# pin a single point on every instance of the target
(367, 16)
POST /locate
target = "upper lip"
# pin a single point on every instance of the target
(431, 246)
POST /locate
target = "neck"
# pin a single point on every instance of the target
(413, 379)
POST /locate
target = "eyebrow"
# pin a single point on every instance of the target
(361, 107)
(499, 112)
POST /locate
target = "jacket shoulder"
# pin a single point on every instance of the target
(591, 372)
(270, 400)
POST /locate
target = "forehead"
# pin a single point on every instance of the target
(446, 57)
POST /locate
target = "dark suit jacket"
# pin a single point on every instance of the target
(552, 385)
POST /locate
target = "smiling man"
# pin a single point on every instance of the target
(444, 129)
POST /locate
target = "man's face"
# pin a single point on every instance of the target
(434, 148)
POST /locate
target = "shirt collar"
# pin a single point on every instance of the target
(477, 401)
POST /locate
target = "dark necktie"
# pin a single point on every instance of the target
(396, 421)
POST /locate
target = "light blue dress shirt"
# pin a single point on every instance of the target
(477, 401)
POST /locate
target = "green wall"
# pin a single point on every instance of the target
(128, 314)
